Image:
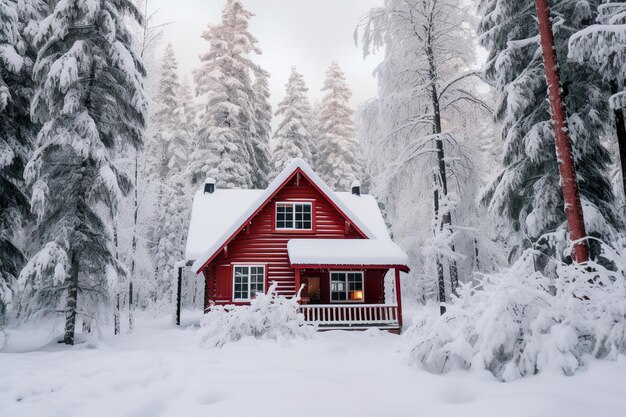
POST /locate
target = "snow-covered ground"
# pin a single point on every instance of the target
(160, 371)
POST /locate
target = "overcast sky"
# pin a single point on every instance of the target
(306, 33)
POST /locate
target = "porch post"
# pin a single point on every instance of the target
(398, 297)
(298, 281)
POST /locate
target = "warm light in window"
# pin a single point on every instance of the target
(357, 295)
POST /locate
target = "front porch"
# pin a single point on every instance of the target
(353, 317)
(368, 302)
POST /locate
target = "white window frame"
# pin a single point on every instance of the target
(293, 205)
(346, 272)
(249, 266)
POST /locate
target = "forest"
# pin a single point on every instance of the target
(503, 184)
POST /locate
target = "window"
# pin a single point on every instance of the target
(346, 286)
(294, 216)
(249, 281)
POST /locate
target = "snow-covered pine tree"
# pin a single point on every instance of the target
(603, 47)
(339, 158)
(166, 162)
(19, 21)
(293, 134)
(89, 98)
(262, 131)
(13, 202)
(227, 122)
(527, 191)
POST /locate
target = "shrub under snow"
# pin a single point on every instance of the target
(269, 316)
(520, 322)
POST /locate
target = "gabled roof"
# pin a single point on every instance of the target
(217, 218)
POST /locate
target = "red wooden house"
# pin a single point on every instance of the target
(299, 231)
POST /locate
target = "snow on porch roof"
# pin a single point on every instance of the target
(216, 217)
(345, 252)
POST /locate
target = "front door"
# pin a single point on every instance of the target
(311, 293)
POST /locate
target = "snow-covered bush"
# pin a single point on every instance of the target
(520, 322)
(269, 316)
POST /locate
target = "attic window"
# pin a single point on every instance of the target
(294, 216)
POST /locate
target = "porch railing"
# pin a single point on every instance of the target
(351, 315)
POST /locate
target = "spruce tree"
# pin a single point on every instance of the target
(603, 47)
(19, 22)
(293, 134)
(227, 122)
(262, 131)
(167, 162)
(338, 160)
(527, 191)
(89, 99)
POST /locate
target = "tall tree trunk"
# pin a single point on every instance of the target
(72, 299)
(620, 128)
(133, 254)
(441, 158)
(441, 283)
(567, 169)
(116, 308)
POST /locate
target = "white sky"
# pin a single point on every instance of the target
(306, 33)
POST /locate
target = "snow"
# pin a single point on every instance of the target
(216, 217)
(160, 371)
(345, 252)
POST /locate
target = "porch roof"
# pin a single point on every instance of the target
(363, 252)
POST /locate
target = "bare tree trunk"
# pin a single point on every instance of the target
(72, 298)
(441, 283)
(567, 169)
(133, 246)
(441, 159)
(116, 315)
(620, 128)
(116, 309)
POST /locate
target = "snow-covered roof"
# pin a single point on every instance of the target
(345, 252)
(216, 217)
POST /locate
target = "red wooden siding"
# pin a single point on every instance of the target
(261, 244)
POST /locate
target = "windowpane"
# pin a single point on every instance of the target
(241, 283)
(256, 280)
(303, 216)
(284, 216)
(338, 286)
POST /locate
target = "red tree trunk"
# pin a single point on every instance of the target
(567, 170)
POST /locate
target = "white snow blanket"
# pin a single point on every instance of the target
(345, 252)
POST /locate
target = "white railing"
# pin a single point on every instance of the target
(351, 315)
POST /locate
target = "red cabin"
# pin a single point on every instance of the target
(299, 231)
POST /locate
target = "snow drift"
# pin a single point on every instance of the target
(520, 322)
(269, 316)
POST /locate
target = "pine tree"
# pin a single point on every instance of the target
(262, 131)
(293, 134)
(89, 98)
(227, 122)
(167, 162)
(19, 21)
(338, 159)
(527, 191)
(603, 47)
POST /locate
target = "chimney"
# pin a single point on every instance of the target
(356, 188)
(209, 186)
